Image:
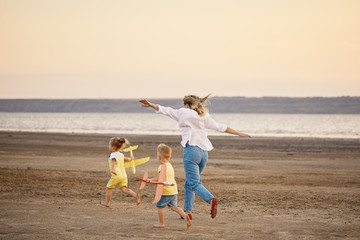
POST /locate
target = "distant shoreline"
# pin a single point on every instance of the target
(308, 105)
(79, 133)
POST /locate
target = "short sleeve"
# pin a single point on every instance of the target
(114, 155)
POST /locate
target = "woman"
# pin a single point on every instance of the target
(194, 121)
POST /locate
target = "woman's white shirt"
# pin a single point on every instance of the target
(193, 127)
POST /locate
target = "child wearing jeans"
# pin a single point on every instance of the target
(169, 194)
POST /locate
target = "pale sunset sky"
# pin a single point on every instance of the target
(167, 49)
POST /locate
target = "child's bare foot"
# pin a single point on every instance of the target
(103, 204)
(188, 221)
(138, 200)
(158, 226)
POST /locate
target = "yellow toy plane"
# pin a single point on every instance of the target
(160, 182)
(134, 162)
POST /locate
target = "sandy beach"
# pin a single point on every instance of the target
(51, 185)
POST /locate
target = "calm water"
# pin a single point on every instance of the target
(268, 125)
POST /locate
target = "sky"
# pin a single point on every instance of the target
(167, 49)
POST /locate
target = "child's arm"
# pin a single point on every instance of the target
(127, 159)
(152, 180)
(113, 166)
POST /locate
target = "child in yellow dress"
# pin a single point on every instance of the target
(117, 170)
(169, 194)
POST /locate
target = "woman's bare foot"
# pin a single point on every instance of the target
(158, 226)
(103, 204)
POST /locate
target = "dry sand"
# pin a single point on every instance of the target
(51, 185)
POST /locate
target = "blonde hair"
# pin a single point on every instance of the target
(164, 151)
(196, 103)
(118, 142)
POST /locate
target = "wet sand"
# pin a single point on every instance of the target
(51, 185)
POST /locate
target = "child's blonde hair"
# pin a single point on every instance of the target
(196, 103)
(118, 142)
(164, 151)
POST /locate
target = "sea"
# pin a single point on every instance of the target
(257, 125)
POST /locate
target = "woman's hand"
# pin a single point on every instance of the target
(244, 135)
(232, 131)
(146, 103)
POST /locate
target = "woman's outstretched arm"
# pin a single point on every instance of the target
(167, 111)
(146, 103)
(233, 131)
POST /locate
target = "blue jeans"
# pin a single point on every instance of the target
(194, 160)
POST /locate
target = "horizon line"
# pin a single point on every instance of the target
(128, 98)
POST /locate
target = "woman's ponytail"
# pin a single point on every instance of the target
(196, 103)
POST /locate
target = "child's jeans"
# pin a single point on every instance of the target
(194, 159)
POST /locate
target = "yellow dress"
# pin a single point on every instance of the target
(120, 178)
